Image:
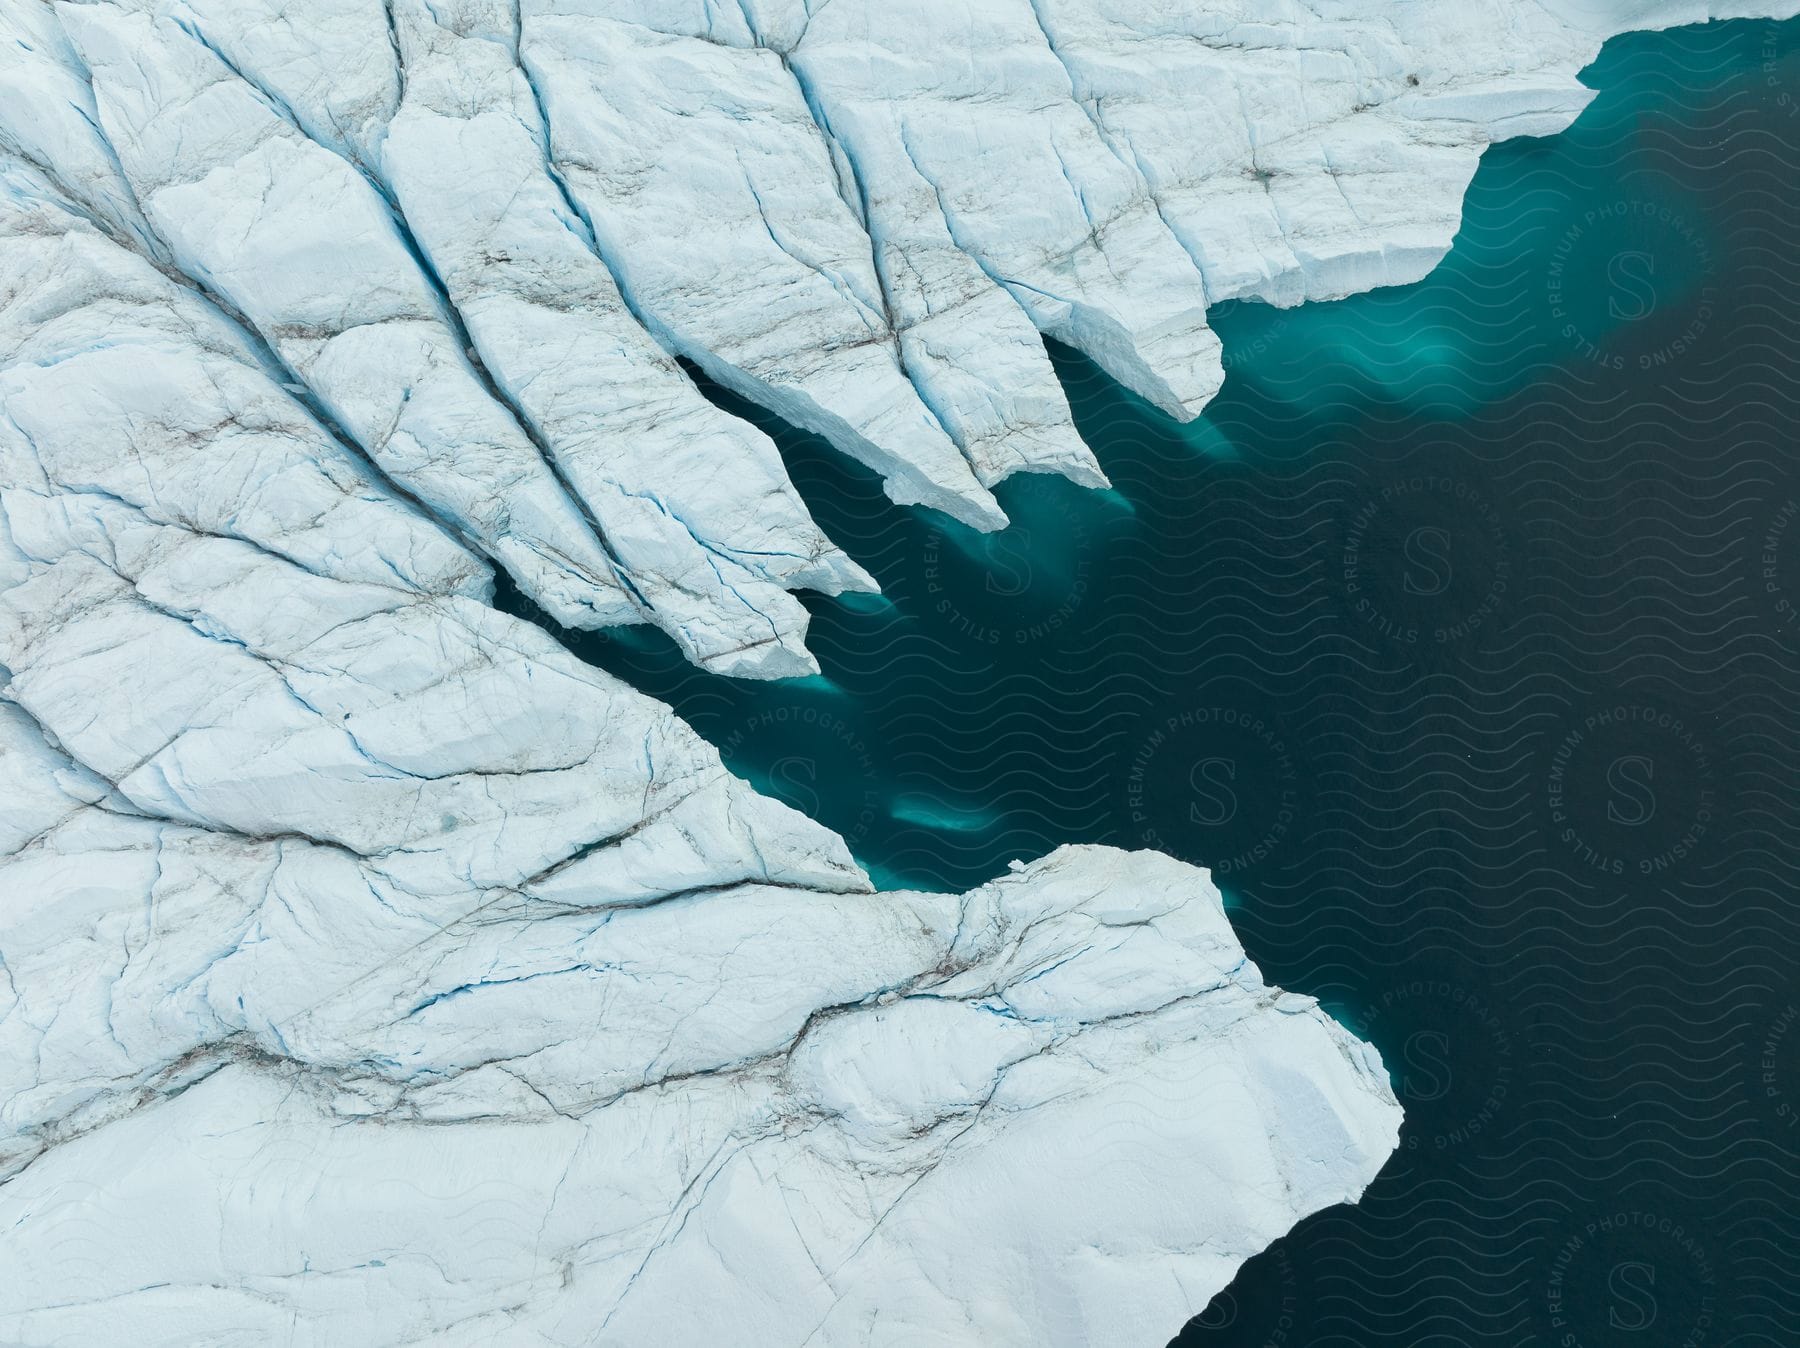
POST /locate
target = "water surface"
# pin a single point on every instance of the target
(1461, 637)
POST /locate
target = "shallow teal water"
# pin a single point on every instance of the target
(1459, 637)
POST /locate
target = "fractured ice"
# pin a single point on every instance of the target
(376, 972)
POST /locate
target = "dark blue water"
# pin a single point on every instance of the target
(1462, 638)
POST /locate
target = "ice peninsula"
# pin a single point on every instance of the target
(377, 973)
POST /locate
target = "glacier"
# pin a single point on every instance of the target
(377, 972)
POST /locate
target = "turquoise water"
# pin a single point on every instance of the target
(1459, 637)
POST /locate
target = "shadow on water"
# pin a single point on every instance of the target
(1459, 637)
